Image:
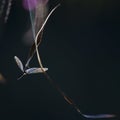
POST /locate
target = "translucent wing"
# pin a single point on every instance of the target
(35, 70)
(19, 63)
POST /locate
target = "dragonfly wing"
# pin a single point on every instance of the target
(19, 63)
(35, 70)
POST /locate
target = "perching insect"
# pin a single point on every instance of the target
(33, 49)
(38, 38)
(29, 70)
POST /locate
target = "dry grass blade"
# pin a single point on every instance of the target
(36, 46)
(38, 40)
(32, 49)
(67, 98)
(37, 17)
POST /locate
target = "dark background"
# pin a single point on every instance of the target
(81, 48)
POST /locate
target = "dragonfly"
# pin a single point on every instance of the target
(33, 50)
(29, 70)
(38, 37)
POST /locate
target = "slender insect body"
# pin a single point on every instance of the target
(35, 70)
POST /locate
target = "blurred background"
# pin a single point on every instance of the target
(80, 47)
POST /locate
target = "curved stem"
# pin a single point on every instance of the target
(66, 98)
